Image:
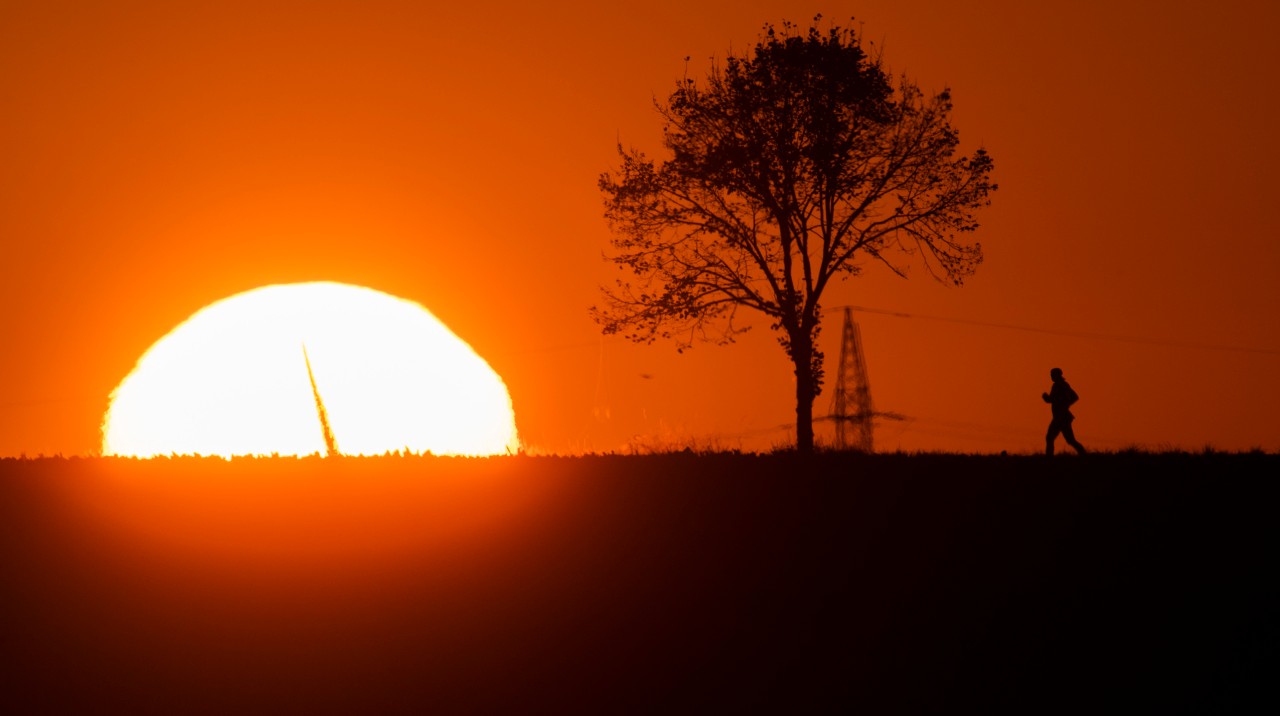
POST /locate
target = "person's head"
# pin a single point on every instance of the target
(1056, 374)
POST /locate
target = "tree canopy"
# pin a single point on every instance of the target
(785, 168)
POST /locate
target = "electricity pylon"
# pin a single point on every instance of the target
(851, 407)
(330, 445)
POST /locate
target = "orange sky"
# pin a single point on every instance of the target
(157, 156)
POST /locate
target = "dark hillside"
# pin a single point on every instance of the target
(662, 584)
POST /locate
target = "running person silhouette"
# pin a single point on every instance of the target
(1060, 399)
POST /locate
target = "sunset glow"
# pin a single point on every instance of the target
(159, 156)
(234, 380)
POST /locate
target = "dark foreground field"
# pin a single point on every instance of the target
(1121, 583)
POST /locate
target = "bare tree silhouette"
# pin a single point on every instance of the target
(786, 167)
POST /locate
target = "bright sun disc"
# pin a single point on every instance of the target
(233, 380)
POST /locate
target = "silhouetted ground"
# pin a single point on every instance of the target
(1123, 583)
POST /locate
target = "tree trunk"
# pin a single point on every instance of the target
(802, 355)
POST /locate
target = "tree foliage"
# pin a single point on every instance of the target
(787, 168)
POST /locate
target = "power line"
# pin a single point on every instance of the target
(1074, 334)
(964, 321)
(931, 426)
(53, 401)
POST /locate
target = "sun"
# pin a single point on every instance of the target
(306, 368)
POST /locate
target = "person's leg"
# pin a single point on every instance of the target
(1051, 436)
(1070, 435)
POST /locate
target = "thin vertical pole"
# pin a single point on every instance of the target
(330, 445)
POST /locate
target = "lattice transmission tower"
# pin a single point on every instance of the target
(851, 407)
